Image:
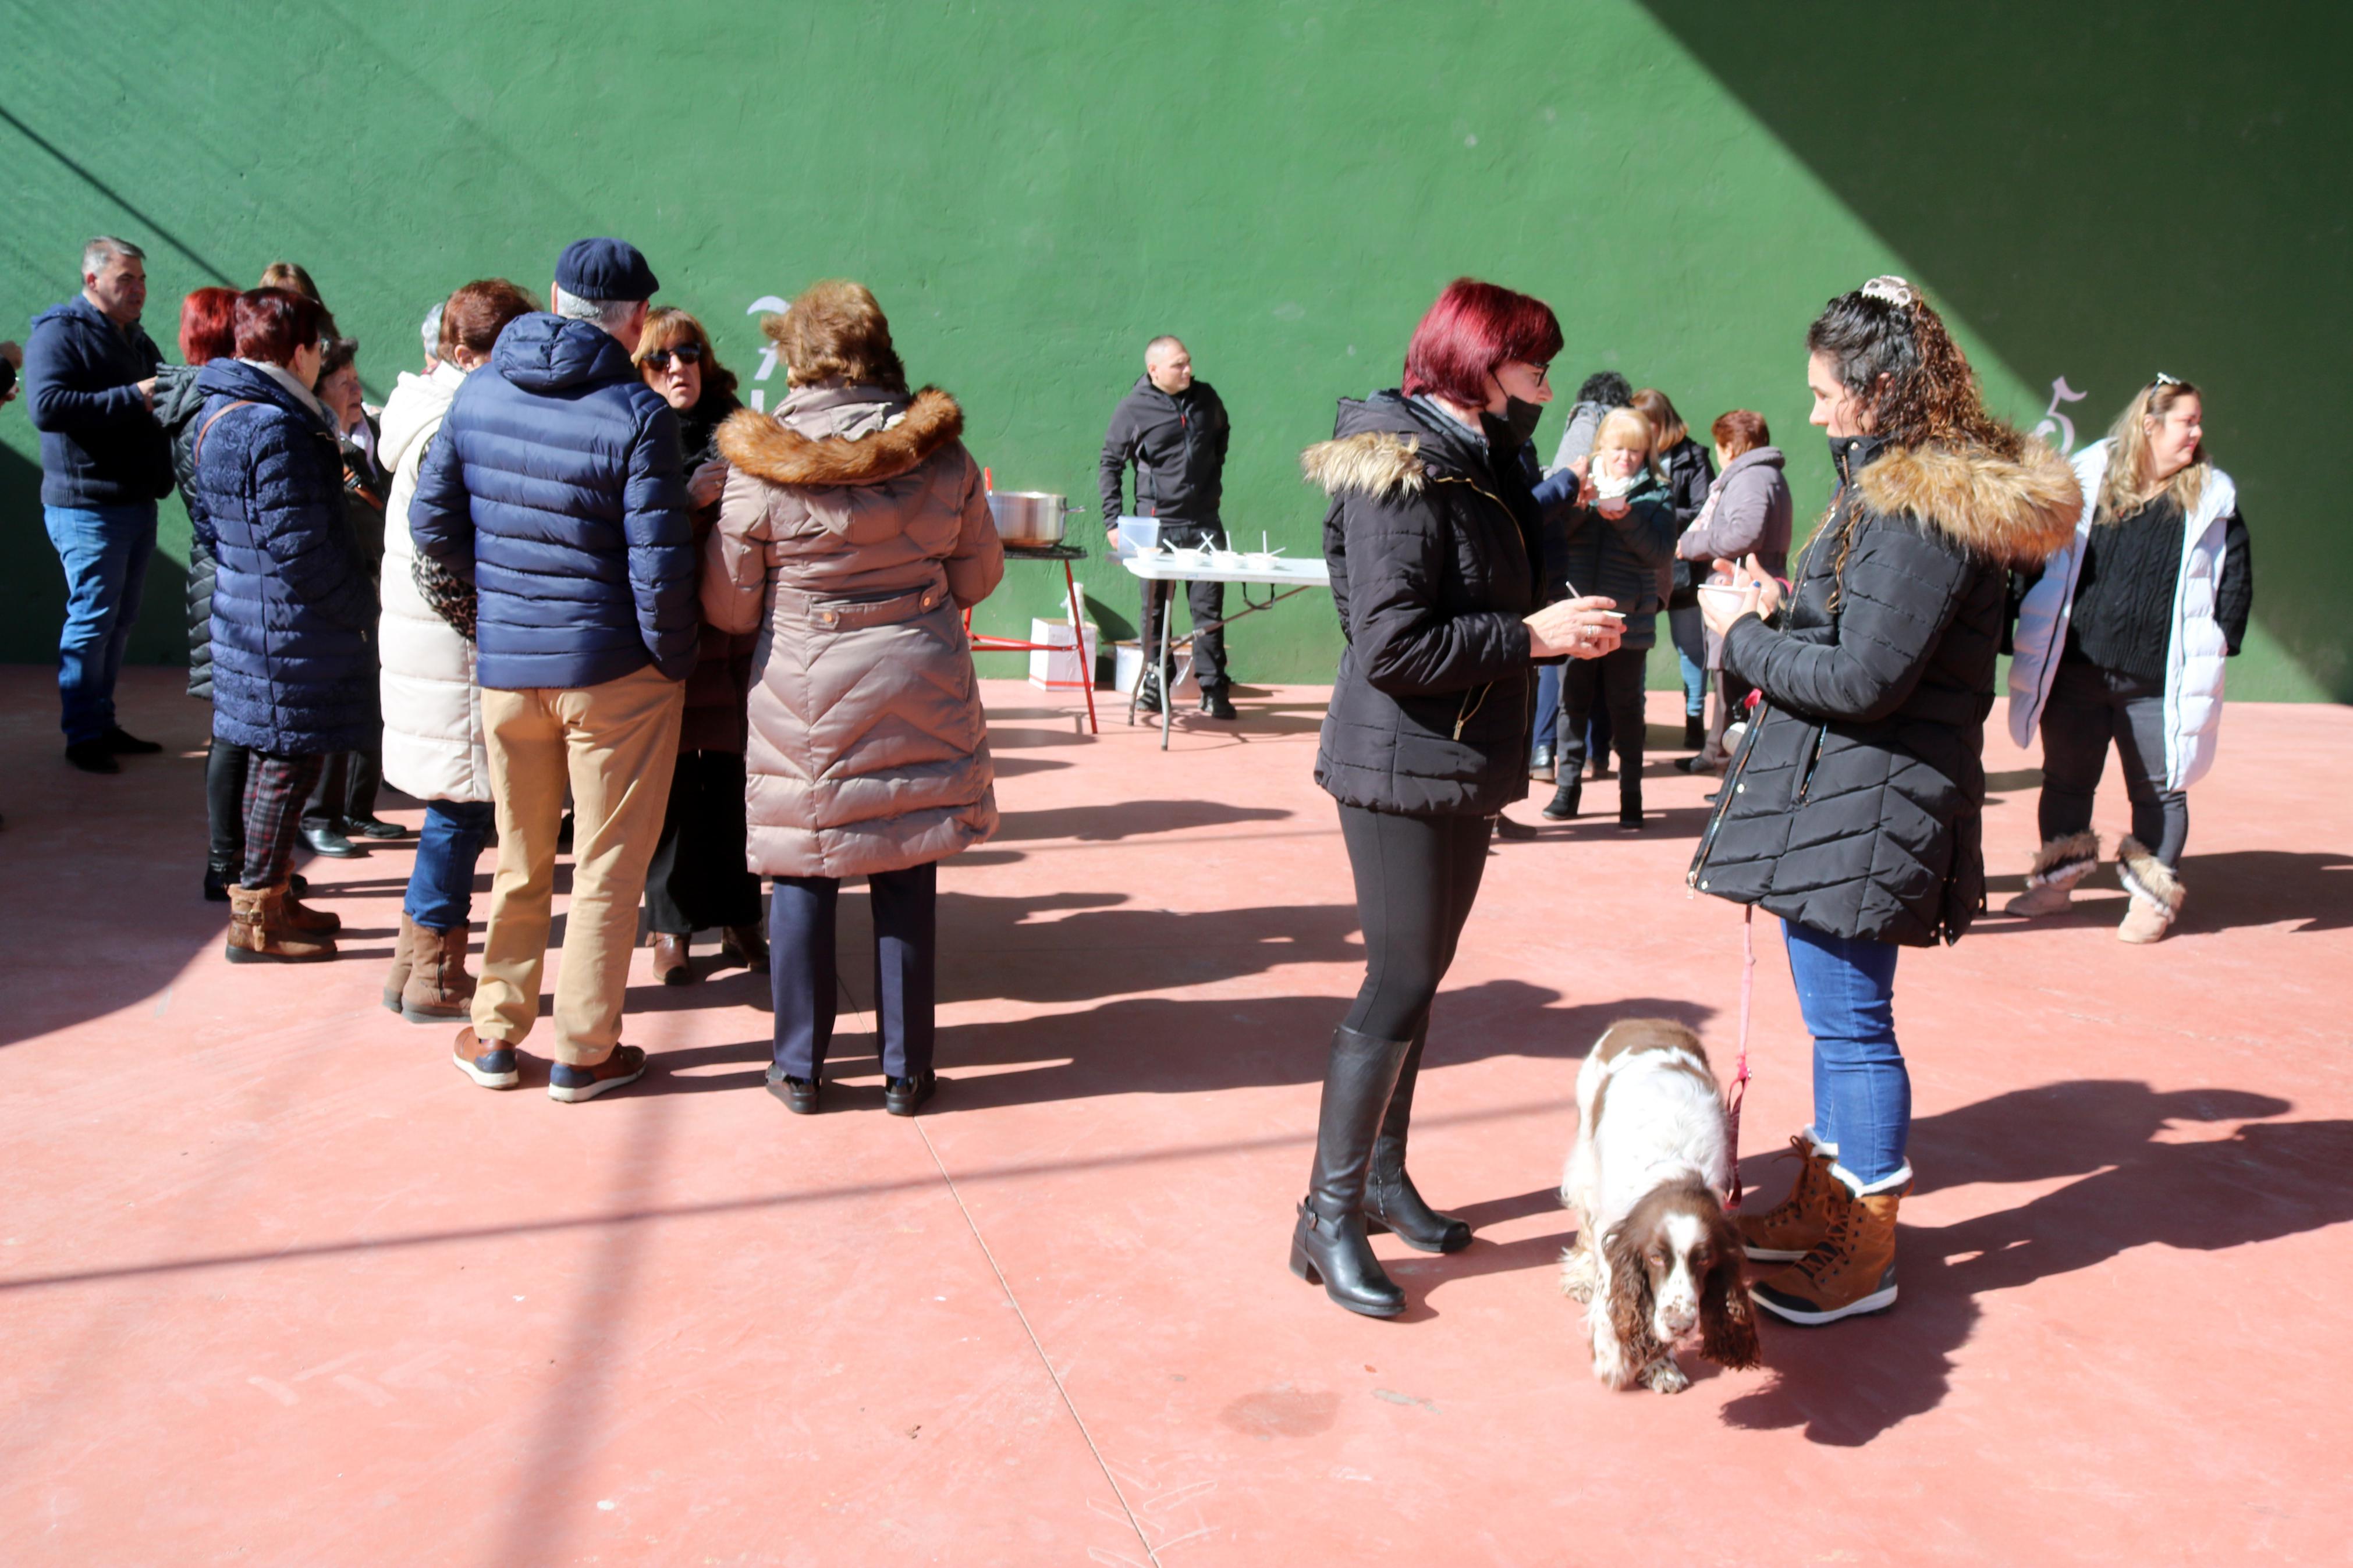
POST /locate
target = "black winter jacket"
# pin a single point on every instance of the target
(1432, 569)
(98, 445)
(178, 402)
(1623, 558)
(1179, 447)
(1691, 470)
(1853, 808)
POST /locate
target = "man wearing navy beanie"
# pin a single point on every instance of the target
(555, 488)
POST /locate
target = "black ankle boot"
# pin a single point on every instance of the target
(1565, 800)
(1694, 731)
(1328, 1245)
(1630, 792)
(1391, 1202)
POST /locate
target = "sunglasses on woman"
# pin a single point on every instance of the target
(685, 353)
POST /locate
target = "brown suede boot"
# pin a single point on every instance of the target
(299, 916)
(2051, 880)
(439, 987)
(403, 959)
(1797, 1224)
(257, 931)
(2156, 893)
(1851, 1273)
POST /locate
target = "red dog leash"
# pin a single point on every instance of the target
(1739, 1089)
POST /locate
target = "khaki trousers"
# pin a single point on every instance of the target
(614, 743)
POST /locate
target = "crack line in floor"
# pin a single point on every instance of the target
(1038, 1345)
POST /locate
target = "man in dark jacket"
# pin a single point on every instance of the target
(556, 487)
(1174, 430)
(90, 373)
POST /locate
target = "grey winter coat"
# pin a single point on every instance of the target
(854, 531)
(1747, 510)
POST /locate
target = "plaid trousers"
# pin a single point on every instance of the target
(275, 789)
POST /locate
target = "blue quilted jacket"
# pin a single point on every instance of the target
(294, 618)
(555, 486)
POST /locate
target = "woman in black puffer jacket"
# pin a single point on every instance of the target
(1431, 539)
(1852, 808)
(207, 332)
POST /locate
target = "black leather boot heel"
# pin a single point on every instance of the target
(1328, 1245)
(1392, 1203)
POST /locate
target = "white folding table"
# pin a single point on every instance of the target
(1285, 578)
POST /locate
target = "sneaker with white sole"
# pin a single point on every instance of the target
(491, 1063)
(573, 1084)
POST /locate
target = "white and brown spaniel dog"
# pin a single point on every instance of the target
(1655, 1256)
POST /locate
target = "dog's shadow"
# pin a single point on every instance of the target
(1847, 1383)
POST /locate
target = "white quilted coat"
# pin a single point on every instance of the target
(2193, 663)
(433, 746)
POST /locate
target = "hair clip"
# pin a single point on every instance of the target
(2164, 380)
(1890, 290)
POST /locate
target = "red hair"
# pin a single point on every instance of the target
(1740, 431)
(208, 325)
(1471, 329)
(272, 323)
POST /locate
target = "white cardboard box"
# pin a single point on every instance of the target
(1061, 669)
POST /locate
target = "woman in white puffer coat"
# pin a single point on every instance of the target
(433, 745)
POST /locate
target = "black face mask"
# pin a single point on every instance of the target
(1521, 419)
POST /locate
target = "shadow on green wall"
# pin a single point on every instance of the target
(2103, 193)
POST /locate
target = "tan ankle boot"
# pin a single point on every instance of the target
(1797, 1224)
(2156, 893)
(403, 959)
(299, 916)
(1851, 1273)
(2051, 881)
(257, 930)
(439, 987)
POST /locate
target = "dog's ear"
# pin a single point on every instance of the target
(1630, 1299)
(1727, 1323)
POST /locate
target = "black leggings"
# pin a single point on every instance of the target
(225, 771)
(1417, 878)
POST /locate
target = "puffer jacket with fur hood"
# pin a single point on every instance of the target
(1432, 569)
(433, 744)
(853, 531)
(1853, 806)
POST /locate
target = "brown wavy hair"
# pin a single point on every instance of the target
(836, 330)
(1912, 379)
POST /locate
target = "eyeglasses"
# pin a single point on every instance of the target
(685, 353)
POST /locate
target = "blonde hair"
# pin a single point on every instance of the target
(1627, 427)
(2128, 485)
(1667, 424)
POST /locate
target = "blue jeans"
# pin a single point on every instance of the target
(1547, 704)
(1863, 1095)
(1689, 634)
(104, 550)
(441, 883)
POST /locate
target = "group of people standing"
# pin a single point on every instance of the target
(564, 563)
(1851, 808)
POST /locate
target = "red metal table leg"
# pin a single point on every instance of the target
(1079, 637)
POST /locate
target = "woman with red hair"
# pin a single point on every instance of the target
(1432, 537)
(207, 332)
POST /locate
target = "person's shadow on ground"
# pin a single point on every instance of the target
(1847, 1384)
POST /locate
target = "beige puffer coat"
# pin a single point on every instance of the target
(853, 531)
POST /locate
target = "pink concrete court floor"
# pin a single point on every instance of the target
(280, 1287)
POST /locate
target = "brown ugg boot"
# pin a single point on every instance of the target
(2058, 867)
(301, 917)
(1797, 1224)
(2156, 893)
(1851, 1273)
(439, 987)
(257, 931)
(403, 959)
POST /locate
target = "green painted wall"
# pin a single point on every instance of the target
(1035, 190)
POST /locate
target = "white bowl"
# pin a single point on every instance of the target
(1732, 598)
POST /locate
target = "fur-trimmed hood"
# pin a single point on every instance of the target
(2013, 511)
(1383, 443)
(765, 446)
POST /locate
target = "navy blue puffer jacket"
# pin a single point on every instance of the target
(556, 487)
(293, 665)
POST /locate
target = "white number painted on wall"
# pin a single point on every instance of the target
(2056, 423)
(768, 304)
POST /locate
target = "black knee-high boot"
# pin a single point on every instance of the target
(1629, 791)
(1328, 1244)
(1391, 1202)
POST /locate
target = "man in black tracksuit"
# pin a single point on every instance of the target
(1174, 430)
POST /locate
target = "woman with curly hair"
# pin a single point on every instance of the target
(1852, 808)
(2123, 639)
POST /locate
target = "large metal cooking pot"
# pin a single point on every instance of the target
(1028, 517)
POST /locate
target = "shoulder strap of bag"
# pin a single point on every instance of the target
(196, 456)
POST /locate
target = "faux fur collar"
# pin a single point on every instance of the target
(764, 446)
(1369, 463)
(2018, 512)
